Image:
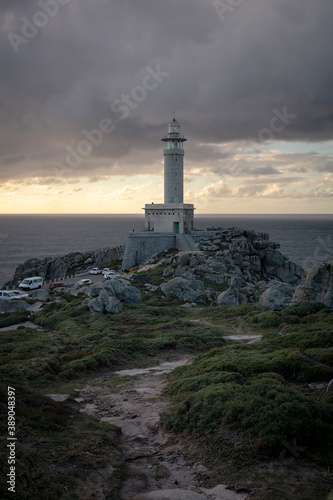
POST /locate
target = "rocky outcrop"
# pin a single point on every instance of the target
(109, 297)
(232, 296)
(277, 297)
(318, 285)
(113, 306)
(250, 254)
(245, 261)
(59, 267)
(124, 291)
(185, 290)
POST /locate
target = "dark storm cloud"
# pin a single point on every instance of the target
(227, 79)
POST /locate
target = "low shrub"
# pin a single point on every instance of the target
(9, 319)
(263, 406)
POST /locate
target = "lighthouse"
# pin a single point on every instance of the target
(173, 215)
(168, 224)
(173, 164)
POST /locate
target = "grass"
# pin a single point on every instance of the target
(245, 404)
(58, 450)
(9, 319)
(76, 342)
(236, 405)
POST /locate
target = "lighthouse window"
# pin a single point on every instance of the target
(176, 159)
(176, 188)
(176, 173)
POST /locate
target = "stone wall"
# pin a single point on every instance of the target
(142, 245)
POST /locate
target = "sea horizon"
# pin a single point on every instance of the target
(304, 238)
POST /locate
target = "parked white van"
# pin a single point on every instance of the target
(31, 283)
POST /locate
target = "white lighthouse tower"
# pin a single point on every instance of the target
(173, 215)
(173, 164)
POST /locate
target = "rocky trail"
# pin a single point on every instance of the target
(158, 469)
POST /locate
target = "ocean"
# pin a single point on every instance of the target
(305, 239)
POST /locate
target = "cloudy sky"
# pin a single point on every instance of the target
(89, 86)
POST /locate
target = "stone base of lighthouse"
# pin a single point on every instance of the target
(175, 218)
(166, 226)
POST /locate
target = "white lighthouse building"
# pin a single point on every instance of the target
(173, 215)
(168, 224)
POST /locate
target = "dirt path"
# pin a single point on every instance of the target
(25, 324)
(131, 399)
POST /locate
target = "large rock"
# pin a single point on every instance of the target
(185, 290)
(232, 296)
(277, 297)
(272, 260)
(42, 295)
(113, 306)
(96, 305)
(184, 259)
(290, 273)
(276, 264)
(242, 246)
(318, 285)
(108, 298)
(123, 291)
(168, 272)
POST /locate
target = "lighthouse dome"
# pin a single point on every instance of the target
(174, 127)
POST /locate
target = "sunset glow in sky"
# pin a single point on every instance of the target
(88, 89)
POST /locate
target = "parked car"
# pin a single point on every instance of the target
(110, 275)
(56, 284)
(106, 270)
(95, 270)
(84, 282)
(18, 294)
(7, 295)
(31, 283)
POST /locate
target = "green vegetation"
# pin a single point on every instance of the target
(58, 450)
(242, 388)
(239, 405)
(9, 319)
(76, 342)
(247, 403)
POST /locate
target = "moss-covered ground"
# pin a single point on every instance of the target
(250, 405)
(246, 409)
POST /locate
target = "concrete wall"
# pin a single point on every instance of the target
(142, 245)
(164, 217)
